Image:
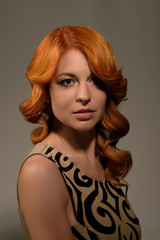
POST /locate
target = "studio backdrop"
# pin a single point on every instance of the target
(132, 29)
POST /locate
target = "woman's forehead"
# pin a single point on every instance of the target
(72, 61)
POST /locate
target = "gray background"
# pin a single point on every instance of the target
(132, 28)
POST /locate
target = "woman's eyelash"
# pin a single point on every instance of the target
(69, 81)
(97, 81)
(65, 82)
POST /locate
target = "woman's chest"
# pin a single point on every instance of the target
(101, 208)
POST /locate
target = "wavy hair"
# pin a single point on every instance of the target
(102, 63)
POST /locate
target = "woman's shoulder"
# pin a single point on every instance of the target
(43, 197)
(38, 173)
(40, 163)
(37, 168)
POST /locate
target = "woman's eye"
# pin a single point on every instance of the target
(97, 81)
(66, 82)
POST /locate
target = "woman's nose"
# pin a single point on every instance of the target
(83, 94)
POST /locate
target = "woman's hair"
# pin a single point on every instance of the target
(102, 63)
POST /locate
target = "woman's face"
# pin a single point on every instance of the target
(77, 98)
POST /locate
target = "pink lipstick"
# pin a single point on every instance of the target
(84, 114)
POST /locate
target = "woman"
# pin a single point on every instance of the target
(69, 187)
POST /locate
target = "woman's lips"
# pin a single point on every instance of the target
(84, 114)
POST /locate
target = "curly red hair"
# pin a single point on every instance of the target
(102, 63)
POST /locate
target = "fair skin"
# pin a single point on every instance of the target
(78, 103)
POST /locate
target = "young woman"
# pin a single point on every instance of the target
(69, 186)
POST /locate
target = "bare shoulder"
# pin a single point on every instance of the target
(38, 165)
(43, 198)
(40, 176)
(37, 170)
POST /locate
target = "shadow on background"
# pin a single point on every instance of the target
(14, 233)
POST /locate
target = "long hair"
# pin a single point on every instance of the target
(102, 63)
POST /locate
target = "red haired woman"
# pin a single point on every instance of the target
(69, 187)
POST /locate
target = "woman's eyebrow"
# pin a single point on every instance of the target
(65, 74)
(71, 75)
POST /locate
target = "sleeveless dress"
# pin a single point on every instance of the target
(101, 210)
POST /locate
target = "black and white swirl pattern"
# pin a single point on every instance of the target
(100, 207)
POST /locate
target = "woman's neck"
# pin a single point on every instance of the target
(72, 142)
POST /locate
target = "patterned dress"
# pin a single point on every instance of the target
(101, 210)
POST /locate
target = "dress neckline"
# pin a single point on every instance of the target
(83, 175)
